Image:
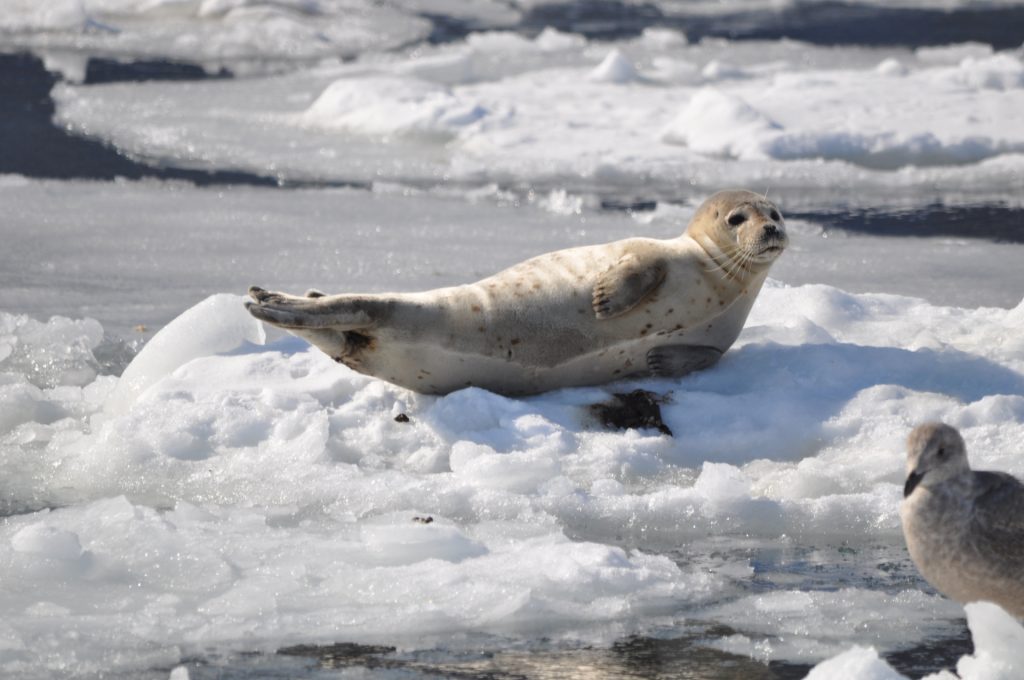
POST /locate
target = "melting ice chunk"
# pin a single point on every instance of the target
(217, 324)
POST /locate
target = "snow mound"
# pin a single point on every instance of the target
(614, 68)
(718, 124)
(383, 106)
(996, 72)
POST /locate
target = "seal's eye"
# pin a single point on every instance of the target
(775, 215)
(736, 219)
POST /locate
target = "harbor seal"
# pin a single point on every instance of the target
(964, 528)
(581, 316)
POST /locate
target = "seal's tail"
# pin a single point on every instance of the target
(338, 312)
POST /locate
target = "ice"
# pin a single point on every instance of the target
(217, 324)
(259, 465)
(244, 35)
(61, 253)
(325, 578)
(997, 637)
(57, 352)
(47, 542)
(998, 644)
(390, 106)
(293, 240)
(809, 625)
(559, 112)
(231, 493)
(858, 663)
(615, 68)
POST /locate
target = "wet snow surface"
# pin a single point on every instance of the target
(188, 494)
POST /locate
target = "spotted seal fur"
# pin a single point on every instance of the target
(581, 316)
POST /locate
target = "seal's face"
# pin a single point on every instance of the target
(742, 227)
(759, 230)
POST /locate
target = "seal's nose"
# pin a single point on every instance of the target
(771, 230)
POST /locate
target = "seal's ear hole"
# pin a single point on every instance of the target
(775, 215)
(737, 219)
(941, 452)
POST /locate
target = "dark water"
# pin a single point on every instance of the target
(820, 23)
(1001, 223)
(33, 146)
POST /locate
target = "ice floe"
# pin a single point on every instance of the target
(244, 35)
(286, 481)
(557, 111)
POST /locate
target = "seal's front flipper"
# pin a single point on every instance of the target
(625, 284)
(342, 312)
(673, 361)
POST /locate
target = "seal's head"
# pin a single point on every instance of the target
(935, 453)
(741, 229)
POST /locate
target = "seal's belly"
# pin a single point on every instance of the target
(437, 369)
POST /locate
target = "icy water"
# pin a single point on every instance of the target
(680, 652)
(257, 513)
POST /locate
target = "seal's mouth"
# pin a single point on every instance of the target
(771, 250)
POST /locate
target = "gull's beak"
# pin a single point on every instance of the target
(913, 479)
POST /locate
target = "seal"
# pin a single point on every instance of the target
(582, 316)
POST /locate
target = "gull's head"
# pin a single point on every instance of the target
(935, 453)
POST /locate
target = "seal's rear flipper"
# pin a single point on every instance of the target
(329, 341)
(338, 312)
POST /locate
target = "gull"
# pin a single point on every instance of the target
(964, 528)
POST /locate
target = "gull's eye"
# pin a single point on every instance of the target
(775, 215)
(736, 219)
